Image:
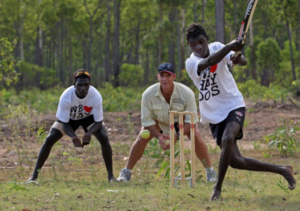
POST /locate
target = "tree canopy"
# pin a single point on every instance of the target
(107, 36)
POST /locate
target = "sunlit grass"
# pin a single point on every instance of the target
(71, 185)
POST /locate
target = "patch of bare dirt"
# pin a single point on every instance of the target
(123, 127)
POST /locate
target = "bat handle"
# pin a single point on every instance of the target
(235, 55)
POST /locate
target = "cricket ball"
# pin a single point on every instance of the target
(145, 134)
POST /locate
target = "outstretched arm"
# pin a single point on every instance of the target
(216, 57)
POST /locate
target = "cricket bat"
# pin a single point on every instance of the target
(246, 22)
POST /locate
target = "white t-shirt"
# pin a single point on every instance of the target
(219, 93)
(72, 107)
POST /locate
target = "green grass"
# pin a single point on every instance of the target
(75, 179)
(71, 185)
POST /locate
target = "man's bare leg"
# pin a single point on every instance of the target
(246, 163)
(229, 135)
(137, 151)
(231, 155)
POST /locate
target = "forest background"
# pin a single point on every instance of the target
(121, 42)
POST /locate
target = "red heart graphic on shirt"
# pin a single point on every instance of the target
(87, 109)
(213, 68)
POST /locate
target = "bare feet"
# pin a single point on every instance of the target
(112, 179)
(216, 195)
(288, 175)
(32, 179)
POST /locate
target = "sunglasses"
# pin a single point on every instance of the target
(82, 73)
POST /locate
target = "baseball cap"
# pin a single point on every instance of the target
(166, 67)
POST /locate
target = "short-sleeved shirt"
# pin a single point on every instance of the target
(219, 93)
(155, 107)
(72, 107)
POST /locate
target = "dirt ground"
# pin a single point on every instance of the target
(261, 119)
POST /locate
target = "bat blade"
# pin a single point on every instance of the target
(246, 22)
(247, 19)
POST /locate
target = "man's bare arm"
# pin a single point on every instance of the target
(216, 57)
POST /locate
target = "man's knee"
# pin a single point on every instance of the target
(233, 163)
(53, 136)
(142, 140)
(102, 137)
(227, 140)
(236, 161)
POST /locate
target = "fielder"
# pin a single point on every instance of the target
(79, 105)
(157, 101)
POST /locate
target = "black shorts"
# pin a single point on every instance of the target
(84, 123)
(238, 116)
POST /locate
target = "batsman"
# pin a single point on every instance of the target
(221, 103)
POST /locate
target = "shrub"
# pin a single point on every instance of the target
(131, 75)
(285, 139)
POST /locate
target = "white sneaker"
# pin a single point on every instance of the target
(124, 175)
(211, 175)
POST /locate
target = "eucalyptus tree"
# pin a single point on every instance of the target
(220, 21)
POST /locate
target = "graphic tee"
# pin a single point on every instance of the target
(72, 107)
(219, 93)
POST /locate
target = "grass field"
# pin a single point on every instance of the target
(75, 179)
(78, 186)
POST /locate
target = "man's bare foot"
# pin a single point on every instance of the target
(288, 175)
(112, 179)
(216, 195)
(32, 179)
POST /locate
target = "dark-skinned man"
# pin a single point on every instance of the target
(79, 105)
(221, 103)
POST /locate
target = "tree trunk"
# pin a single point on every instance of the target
(84, 52)
(90, 46)
(39, 48)
(146, 74)
(182, 41)
(160, 38)
(220, 21)
(235, 18)
(172, 42)
(57, 55)
(116, 42)
(70, 60)
(290, 41)
(65, 52)
(61, 47)
(39, 44)
(136, 59)
(107, 53)
(253, 71)
(98, 63)
(21, 42)
(178, 42)
(203, 10)
(298, 45)
(195, 12)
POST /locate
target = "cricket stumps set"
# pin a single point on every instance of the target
(192, 179)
